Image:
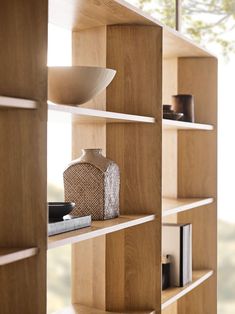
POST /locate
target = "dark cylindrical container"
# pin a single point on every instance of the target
(166, 270)
(183, 103)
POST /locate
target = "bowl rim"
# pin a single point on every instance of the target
(80, 66)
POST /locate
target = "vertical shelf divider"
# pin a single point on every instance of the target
(124, 268)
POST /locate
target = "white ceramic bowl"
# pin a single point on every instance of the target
(77, 84)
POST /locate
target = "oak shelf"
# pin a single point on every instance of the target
(171, 295)
(98, 228)
(181, 125)
(172, 206)
(10, 255)
(79, 309)
(11, 102)
(99, 116)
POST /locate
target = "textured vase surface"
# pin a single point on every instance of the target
(92, 182)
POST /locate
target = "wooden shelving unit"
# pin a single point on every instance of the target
(168, 168)
(10, 102)
(8, 256)
(79, 309)
(97, 229)
(171, 295)
(172, 206)
(180, 125)
(86, 115)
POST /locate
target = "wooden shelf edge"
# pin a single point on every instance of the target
(96, 116)
(98, 228)
(181, 125)
(171, 206)
(10, 255)
(20, 103)
(199, 276)
(80, 309)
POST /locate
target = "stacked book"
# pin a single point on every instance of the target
(68, 223)
(177, 242)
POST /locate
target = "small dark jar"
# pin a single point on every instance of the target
(185, 104)
(166, 268)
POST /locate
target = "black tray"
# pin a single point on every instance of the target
(59, 209)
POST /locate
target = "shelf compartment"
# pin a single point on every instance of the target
(79, 309)
(98, 228)
(10, 255)
(171, 295)
(172, 206)
(181, 125)
(20, 103)
(99, 116)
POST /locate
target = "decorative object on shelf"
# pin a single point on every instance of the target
(77, 84)
(59, 209)
(68, 223)
(166, 268)
(184, 103)
(177, 241)
(93, 182)
(168, 113)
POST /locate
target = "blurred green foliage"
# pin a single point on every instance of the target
(208, 22)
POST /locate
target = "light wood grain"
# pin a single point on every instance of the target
(197, 175)
(171, 295)
(87, 116)
(197, 151)
(118, 267)
(200, 300)
(169, 163)
(172, 206)
(97, 229)
(89, 49)
(8, 255)
(132, 147)
(135, 52)
(115, 270)
(83, 14)
(181, 125)
(79, 309)
(169, 79)
(11, 102)
(171, 309)
(89, 273)
(23, 202)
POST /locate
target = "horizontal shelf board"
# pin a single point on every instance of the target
(171, 295)
(10, 255)
(181, 125)
(83, 14)
(79, 309)
(11, 102)
(175, 205)
(99, 116)
(98, 228)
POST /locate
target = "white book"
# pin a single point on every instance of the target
(177, 242)
(68, 224)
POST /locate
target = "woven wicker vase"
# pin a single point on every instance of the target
(92, 182)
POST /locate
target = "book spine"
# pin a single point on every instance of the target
(185, 254)
(190, 254)
(181, 255)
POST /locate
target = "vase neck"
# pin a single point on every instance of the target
(91, 152)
